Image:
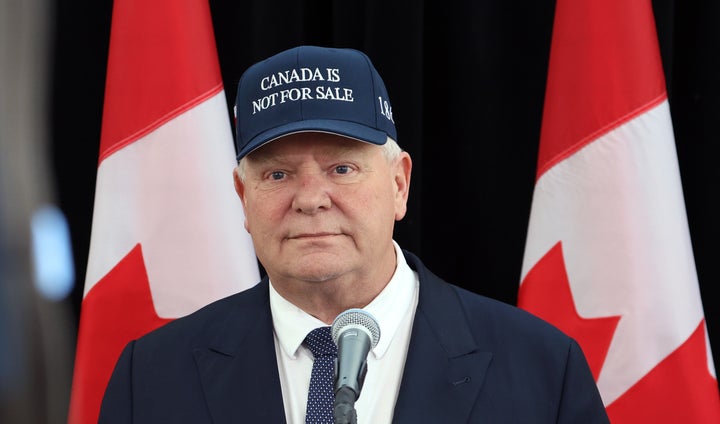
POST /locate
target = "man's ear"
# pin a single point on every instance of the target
(240, 190)
(403, 171)
(239, 185)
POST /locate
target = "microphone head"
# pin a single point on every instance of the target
(359, 319)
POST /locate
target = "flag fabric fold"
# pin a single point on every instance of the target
(608, 256)
(168, 231)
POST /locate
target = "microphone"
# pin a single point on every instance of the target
(354, 332)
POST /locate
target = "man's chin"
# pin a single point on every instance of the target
(320, 266)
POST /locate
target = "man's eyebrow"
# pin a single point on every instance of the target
(262, 156)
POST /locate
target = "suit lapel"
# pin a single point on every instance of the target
(443, 375)
(238, 368)
(444, 371)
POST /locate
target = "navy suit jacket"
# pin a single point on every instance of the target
(471, 359)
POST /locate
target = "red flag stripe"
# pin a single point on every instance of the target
(158, 67)
(621, 79)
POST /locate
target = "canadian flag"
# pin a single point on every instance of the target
(167, 232)
(608, 257)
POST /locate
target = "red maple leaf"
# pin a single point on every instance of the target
(119, 308)
(545, 292)
(680, 389)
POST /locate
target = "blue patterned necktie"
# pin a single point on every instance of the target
(321, 395)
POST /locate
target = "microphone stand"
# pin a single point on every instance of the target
(344, 409)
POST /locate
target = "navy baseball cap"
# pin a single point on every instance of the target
(310, 88)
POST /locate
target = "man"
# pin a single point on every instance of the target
(322, 182)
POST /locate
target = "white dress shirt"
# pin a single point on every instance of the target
(394, 310)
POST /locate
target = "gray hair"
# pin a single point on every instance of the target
(391, 150)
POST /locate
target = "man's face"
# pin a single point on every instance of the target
(319, 206)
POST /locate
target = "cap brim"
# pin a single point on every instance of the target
(343, 128)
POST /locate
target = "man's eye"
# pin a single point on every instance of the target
(342, 169)
(277, 175)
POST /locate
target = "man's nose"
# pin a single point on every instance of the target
(312, 194)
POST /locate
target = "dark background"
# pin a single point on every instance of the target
(467, 82)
